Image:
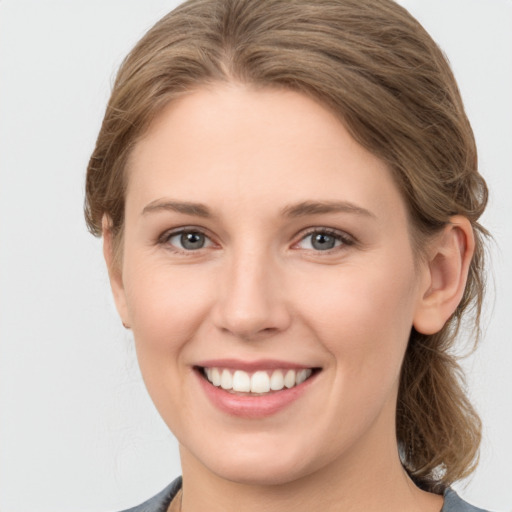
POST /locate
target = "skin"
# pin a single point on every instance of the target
(259, 289)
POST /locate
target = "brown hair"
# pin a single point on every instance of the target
(373, 64)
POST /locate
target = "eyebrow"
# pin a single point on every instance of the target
(301, 209)
(187, 208)
(321, 207)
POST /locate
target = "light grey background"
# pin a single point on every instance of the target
(77, 430)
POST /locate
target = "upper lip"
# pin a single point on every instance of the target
(251, 366)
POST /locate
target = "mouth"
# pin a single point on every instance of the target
(260, 382)
(254, 389)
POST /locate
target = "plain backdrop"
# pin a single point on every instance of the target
(77, 429)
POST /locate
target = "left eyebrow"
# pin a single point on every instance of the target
(322, 207)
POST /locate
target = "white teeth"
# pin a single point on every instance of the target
(277, 381)
(289, 379)
(215, 378)
(259, 382)
(226, 380)
(302, 375)
(241, 381)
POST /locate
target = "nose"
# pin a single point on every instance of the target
(251, 302)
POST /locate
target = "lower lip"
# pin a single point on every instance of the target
(253, 406)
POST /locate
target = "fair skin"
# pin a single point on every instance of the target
(260, 237)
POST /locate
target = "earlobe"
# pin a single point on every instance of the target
(114, 271)
(446, 276)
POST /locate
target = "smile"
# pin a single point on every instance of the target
(255, 389)
(258, 382)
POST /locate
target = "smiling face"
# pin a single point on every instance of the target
(263, 246)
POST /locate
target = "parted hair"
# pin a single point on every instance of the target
(373, 65)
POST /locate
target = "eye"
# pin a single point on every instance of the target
(324, 240)
(187, 240)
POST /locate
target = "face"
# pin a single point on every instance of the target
(270, 284)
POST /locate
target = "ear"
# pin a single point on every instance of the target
(114, 270)
(445, 275)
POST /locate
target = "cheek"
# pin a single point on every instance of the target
(363, 320)
(166, 304)
(363, 316)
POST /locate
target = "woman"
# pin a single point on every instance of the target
(289, 198)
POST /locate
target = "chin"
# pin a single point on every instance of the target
(260, 467)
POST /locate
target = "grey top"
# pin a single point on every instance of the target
(160, 502)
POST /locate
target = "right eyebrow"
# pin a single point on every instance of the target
(187, 208)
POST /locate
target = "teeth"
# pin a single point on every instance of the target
(226, 380)
(302, 375)
(259, 382)
(241, 381)
(289, 379)
(215, 376)
(277, 380)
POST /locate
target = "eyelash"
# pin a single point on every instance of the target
(339, 236)
(165, 238)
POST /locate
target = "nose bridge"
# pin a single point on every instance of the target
(250, 302)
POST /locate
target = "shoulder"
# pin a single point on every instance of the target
(161, 501)
(453, 503)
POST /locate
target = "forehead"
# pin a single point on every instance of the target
(229, 145)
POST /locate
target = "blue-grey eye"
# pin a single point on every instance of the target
(189, 240)
(192, 241)
(320, 241)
